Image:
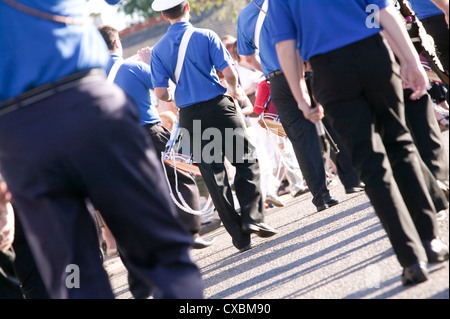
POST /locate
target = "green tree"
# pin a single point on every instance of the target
(141, 10)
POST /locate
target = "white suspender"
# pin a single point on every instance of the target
(113, 72)
(182, 52)
(260, 21)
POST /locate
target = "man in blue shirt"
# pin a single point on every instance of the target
(134, 77)
(359, 85)
(301, 132)
(207, 116)
(67, 137)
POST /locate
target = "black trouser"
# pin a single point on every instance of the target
(347, 175)
(436, 26)
(303, 136)
(19, 275)
(361, 90)
(86, 142)
(427, 137)
(186, 184)
(220, 116)
(9, 285)
(25, 266)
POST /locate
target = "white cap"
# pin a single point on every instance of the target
(163, 5)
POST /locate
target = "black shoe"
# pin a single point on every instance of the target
(414, 274)
(436, 251)
(260, 229)
(245, 248)
(331, 202)
(200, 243)
(355, 189)
(301, 192)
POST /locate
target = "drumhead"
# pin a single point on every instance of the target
(272, 123)
(183, 163)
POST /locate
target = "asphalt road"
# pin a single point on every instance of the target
(340, 253)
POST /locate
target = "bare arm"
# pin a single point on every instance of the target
(292, 66)
(234, 89)
(443, 5)
(164, 94)
(413, 74)
(254, 61)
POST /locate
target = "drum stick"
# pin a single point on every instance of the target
(322, 132)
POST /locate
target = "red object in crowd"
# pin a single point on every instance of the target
(262, 97)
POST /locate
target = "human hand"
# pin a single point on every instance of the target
(237, 93)
(415, 78)
(314, 114)
(6, 218)
(145, 54)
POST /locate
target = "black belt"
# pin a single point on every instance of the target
(149, 125)
(274, 74)
(44, 91)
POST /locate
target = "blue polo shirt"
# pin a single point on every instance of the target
(35, 51)
(425, 8)
(321, 26)
(134, 78)
(246, 38)
(198, 80)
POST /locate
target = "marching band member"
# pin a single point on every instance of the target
(359, 84)
(254, 42)
(66, 135)
(133, 76)
(191, 63)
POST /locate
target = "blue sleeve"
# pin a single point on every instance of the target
(245, 46)
(145, 74)
(221, 58)
(281, 21)
(159, 75)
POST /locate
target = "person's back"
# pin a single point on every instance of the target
(201, 100)
(204, 72)
(359, 85)
(68, 137)
(61, 50)
(134, 78)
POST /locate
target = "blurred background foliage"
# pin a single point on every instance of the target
(141, 10)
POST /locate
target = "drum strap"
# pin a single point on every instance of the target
(113, 72)
(182, 52)
(182, 204)
(259, 23)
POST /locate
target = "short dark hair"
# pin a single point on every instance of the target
(176, 12)
(109, 34)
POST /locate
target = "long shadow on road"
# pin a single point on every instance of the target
(278, 250)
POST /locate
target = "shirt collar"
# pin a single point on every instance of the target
(180, 25)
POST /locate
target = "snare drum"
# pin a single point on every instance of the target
(270, 121)
(176, 157)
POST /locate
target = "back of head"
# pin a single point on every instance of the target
(109, 34)
(176, 12)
